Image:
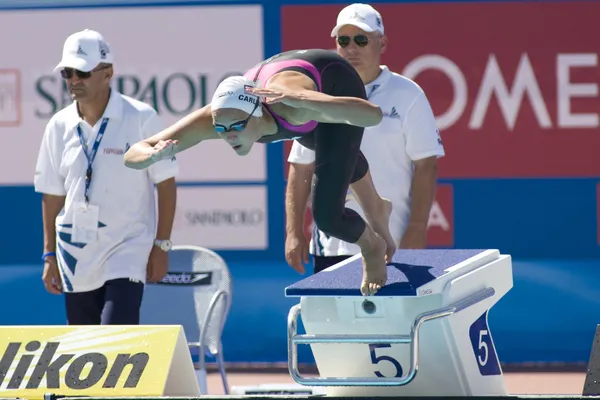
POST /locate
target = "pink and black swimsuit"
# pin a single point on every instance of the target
(338, 159)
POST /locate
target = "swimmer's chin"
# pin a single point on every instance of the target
(242, 151)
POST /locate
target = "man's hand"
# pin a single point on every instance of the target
(296, 251)
(158, 265)
(51, 276)
(415, 237)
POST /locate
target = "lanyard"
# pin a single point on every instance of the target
(90, 157)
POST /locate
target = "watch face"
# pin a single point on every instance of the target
(165, 246)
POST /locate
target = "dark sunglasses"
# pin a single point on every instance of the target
(237, 126)
(67, 73)
(360, 40)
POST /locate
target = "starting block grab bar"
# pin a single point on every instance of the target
(295, 339)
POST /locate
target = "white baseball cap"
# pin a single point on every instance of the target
(362, 16)
(84, 50)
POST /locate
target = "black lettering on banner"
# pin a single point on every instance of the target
(45, 87)
(149, 94)
(190, 88)
(73, 377)
(138, 364)
(7, 359)
(23, 365)
(123, 83)
(49, 366)
(46, 366)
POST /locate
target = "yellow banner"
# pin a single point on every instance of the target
(87, 360)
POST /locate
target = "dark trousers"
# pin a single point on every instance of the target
(118, 302)
(324, 262)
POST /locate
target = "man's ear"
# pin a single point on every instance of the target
(383, 42)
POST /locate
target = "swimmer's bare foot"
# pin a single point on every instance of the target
(381, 225)
(374, 268)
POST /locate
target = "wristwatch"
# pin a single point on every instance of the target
(165, 245)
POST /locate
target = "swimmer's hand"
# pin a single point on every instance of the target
(164, 150)
(142, 155)
(287, 97)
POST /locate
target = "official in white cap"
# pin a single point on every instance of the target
(362, 16)
(102, 237)
(361, 39)
(84, 51)
(402, 151)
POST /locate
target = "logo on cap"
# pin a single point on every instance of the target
(103, 50)
(223, 94)
(358, 16)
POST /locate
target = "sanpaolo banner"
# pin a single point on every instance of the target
(174, 79)
(511, 98)
(102, 361)
(222, 217)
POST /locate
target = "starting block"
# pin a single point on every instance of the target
(424, 334)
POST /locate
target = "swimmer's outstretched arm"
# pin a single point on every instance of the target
(323, 107)
(183, 134)
(344, 110)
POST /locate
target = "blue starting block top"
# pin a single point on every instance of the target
(409, 270)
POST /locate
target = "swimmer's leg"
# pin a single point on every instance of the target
(377, 209)
(337, 149)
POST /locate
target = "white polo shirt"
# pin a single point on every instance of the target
(408, 132)
(125, 196)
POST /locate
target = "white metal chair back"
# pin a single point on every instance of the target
(212, 288)
(198, 274)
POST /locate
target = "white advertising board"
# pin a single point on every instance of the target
(170, 57)
(221, 218)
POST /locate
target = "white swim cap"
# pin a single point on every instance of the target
(231, 93)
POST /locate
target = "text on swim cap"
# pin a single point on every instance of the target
(249, 99)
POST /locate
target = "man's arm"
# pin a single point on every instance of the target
(51, 184)
(423, 191)
(424, 147)
(297, 194)
(187, 132)
(162, 174)
(51, 206)
(167, 201)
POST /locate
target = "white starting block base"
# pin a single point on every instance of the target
(424, 334)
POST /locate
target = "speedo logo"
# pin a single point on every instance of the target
(48, 366)
(187, 278)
